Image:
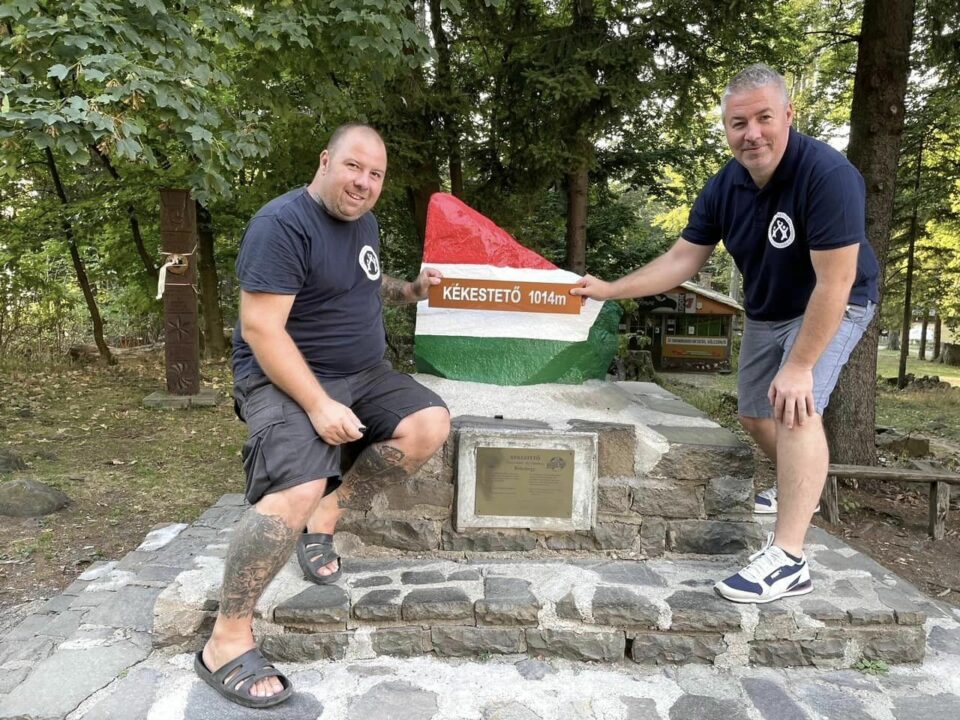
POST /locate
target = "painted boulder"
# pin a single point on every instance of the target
(470, 328)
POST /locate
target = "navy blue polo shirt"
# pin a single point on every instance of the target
(814, 201)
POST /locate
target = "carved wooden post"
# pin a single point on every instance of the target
(178, 242)
(939, 507)
(829, 503)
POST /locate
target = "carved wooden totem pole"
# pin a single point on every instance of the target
(178, 242)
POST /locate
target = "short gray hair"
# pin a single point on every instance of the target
(754, 77)
(338, 134)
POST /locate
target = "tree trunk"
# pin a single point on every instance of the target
(876, 126)
(152, 270)
(893, 340)
(577, 184)
(736, 284)
(936, 336)
(908, 286)
(78, 266)
(419, 198)
(445, 85)
(922, 354)
(951, 354)
(214, 344)
(907, 312)
(584, 31)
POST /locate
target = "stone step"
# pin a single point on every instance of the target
(660, 611)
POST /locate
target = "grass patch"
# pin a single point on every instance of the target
(872, 667)
(930, 412)
(888, 366)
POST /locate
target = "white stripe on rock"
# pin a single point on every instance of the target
(500, 324)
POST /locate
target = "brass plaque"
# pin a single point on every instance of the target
(530, 482)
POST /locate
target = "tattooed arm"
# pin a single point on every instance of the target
(398, 292)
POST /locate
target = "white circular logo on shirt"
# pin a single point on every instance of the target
(370, 262)
(781, 233)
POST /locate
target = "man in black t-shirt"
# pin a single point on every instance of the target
(790, 210)
(310, 377)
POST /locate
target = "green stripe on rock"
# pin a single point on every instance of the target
(518, 361)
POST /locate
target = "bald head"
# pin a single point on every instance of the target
(347, 128)
(352, 167)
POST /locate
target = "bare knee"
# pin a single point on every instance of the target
(295, 503)
(306, 492)
(434, 429)
(751, 424)
(425, 430)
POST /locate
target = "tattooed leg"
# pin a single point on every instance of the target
(378, 466)
(416, 439)
(261, 544)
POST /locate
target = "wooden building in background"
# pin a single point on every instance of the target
(689, 328)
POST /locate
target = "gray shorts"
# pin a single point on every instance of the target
(283, 449)
(766, 346)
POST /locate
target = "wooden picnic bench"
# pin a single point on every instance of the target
(938, 480)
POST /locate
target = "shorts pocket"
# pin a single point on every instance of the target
(260, 424)
(855, 312)
(860, 315)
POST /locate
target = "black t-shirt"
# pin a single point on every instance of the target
(292, 246)
(814, 201)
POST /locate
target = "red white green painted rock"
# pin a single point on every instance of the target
(504, 347)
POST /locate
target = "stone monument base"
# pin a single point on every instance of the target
(663, 477)
(653, 612)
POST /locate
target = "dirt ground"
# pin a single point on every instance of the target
(890, 525)
(127, 469)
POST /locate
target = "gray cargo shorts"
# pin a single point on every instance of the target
(283, 449)
(766, 346)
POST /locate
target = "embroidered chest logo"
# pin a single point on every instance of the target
(370, 262)
(781, 233)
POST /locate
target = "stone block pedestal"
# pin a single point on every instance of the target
(207, 397)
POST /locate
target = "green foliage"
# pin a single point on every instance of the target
(122, 98)
(871, 667)
(236, 101)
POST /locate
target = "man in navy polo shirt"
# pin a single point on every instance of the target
(790, 210)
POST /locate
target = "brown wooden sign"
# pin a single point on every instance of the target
(472, 294)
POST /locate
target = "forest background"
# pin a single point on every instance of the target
(583, 127)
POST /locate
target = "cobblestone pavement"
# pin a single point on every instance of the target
(163, 686)
(89, 654)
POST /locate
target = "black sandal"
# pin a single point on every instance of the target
(237, 677)
(314, 550)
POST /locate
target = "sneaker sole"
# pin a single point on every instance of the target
(801, 589)
(768, 511)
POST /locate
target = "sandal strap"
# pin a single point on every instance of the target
(316, 550)
(241, 673)
(316, 539)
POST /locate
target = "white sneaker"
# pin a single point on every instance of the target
(765, 502)
(770, 576)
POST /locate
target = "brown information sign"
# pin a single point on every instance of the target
(470, 294)
(528, 482)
